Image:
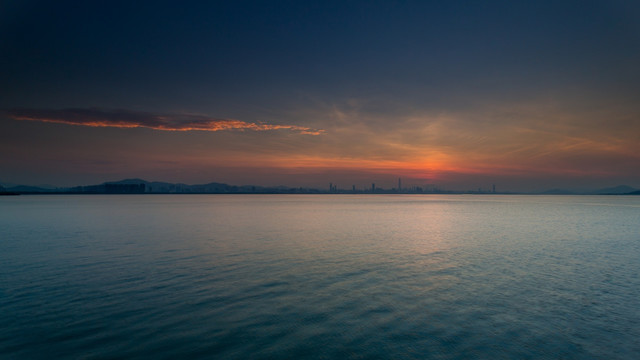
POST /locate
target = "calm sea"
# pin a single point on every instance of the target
(320, 277)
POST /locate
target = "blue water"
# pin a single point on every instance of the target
(320, 277)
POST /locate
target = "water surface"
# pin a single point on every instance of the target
(320, 277)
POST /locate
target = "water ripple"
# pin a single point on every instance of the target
(320, 277)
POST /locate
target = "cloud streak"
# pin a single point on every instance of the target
(95, 117)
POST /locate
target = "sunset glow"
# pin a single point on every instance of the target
(128, 119)
(523, 96)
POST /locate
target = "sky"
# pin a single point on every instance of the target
(455, 94)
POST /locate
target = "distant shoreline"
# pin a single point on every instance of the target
(140, 186)
(8, 193)
(306, 193)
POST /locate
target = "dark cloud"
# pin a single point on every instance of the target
(132, 119)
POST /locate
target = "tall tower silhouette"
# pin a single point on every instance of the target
(399, 184)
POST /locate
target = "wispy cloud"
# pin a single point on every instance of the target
(95, 117)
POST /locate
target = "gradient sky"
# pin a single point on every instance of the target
(525, 95)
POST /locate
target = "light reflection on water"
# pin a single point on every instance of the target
(273, 276)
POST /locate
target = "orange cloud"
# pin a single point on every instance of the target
(131, 119)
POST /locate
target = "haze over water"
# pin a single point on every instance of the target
(320, 277)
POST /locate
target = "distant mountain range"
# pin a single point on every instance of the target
(4, 191)
(139, 186)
